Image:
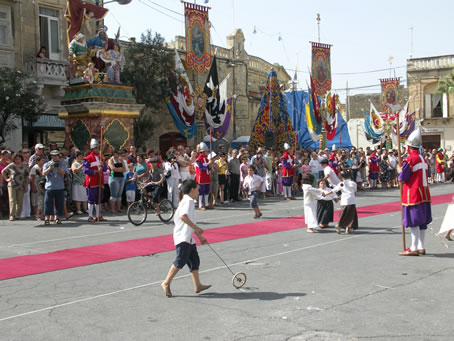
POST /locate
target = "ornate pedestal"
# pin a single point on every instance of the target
(88, 107)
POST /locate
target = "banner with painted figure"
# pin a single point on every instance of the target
(390, 95)
(272, 117)
(197, 30)
(321, 68)
(179, 100)
(218, 108)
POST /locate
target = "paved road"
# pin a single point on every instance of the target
(300, 286)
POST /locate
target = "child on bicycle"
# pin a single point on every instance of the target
(185, 226)
(130, 184)
(154, 184)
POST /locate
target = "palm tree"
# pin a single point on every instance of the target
(446, 84)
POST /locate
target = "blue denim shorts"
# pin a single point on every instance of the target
(187, 255)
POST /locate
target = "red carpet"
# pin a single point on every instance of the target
(71, 258)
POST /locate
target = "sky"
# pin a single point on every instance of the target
(364, 33)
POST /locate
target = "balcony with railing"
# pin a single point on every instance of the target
(430, 63)
(47, 72)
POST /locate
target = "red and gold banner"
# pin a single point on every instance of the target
(390, 95)
(321, 68)
(198, 47)
(77, 12)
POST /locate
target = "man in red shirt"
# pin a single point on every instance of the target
(93, 167)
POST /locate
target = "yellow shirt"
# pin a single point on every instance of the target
(222, 167)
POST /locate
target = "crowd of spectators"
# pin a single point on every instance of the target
(48, 182)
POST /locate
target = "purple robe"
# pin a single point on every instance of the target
(415, 215)
(287, 180)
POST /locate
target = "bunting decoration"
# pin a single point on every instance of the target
(77, 12)
(179, 100)
(218, 108)
(272, 117)
(390, 95)
(331, 117)
(321, 68)
(198, 46)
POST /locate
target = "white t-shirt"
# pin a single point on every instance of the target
(332, 177)
(182, 232)
(315, 166)
(254, 183)
(183, 158)
(174, 170)
(311, 194)
(392, 161)
(348, 189)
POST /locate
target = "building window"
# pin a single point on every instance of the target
(436, 105)
(5, 27)
(49, 26)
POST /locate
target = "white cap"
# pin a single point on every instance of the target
(93, 144)
(286, 146)
(212, 155)
(39, 146)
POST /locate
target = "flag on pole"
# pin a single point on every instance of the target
(179, 100)
(218, 107)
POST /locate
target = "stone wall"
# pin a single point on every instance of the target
(361, 102)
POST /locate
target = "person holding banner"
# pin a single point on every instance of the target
(417, 213)
(288, 172)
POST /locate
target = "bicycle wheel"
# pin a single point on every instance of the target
(137, 213)
(167, 210)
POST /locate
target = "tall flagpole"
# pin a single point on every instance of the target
(101, 173)
(400, 182)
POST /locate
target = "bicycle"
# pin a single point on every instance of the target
(138, 210)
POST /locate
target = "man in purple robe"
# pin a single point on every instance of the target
(417, 213)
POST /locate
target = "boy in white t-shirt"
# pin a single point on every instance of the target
(186, 249)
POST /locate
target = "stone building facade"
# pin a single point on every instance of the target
(357, 104)
(25, 26)
(436, 110)
(246, 84)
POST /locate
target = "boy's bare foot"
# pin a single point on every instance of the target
(166, 289)
(202, 288)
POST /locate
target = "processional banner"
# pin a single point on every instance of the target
(179, 100)
(321, 68)
(198, 46)
(218, 108)
(390, 95)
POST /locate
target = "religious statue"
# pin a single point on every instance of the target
(117, 62)
(79, 54)
(89, 73)
(99, 45)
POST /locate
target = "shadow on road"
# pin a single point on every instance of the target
(440, 255)
(252, 295)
